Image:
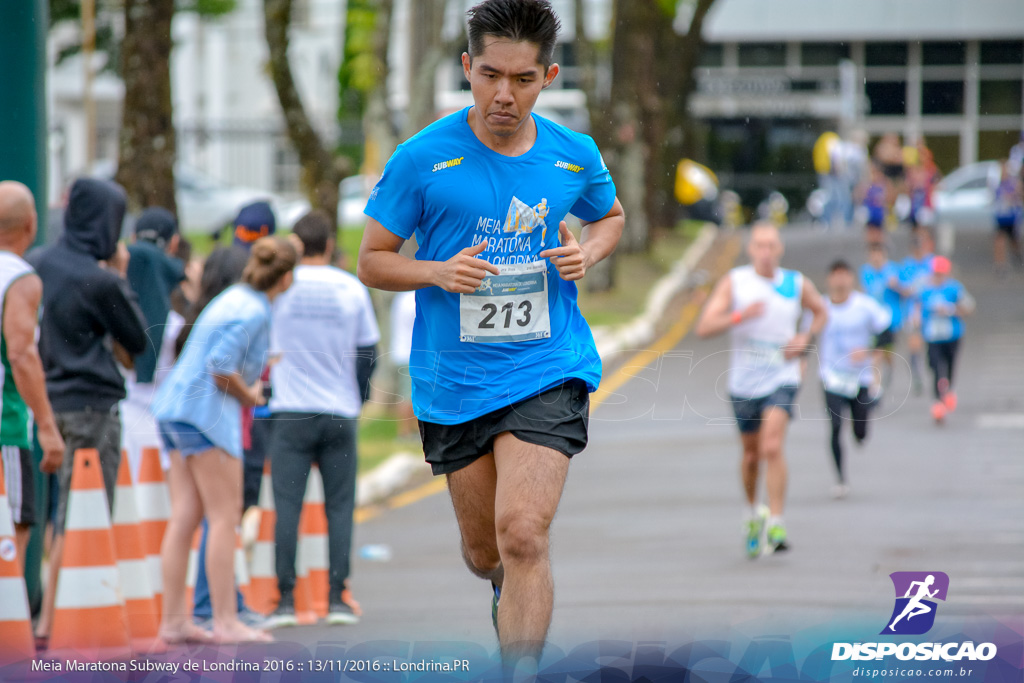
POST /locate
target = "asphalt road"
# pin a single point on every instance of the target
(647, 545)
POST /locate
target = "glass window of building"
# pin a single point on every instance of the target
(1002, 52)
(1000, 97)
(712, 54)
(886, 98)
(996, 144)
(762, 54)
(942, 97)
(885, 54)
(823, 54)
(947, 53)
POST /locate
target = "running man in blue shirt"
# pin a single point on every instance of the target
(943, 304)
(880, 279)
(915, 271)
(502, 360)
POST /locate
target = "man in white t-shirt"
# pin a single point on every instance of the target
(761, 305)
(847, 342)
(403, 315)
(324, 336)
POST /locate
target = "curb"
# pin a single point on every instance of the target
(401, 469)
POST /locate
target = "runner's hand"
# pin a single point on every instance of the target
(569, 259)
(463, 273)
(256, 397)
(860, 355)
(796, 346)
(52, 445)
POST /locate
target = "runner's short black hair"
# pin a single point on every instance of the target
(533, 21)
(839, 264)
(315, 230)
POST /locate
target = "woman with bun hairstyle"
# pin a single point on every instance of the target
(198, 408)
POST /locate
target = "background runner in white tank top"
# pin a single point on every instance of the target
(758, 365)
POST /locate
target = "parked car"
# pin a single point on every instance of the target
(206, 205)
(963, 199)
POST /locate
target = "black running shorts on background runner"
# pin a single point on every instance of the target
(556, 418)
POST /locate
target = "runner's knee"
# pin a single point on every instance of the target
(771, 450)
(522, 538)
(481, 559)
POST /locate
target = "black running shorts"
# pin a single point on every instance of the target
(556, 418)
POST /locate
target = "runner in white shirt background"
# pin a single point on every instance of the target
(761, 305)
(847, 372)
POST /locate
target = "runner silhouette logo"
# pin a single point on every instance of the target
(916, 593)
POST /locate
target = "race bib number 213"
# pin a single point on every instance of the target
(510, 307)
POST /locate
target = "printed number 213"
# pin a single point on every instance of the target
(525, 308)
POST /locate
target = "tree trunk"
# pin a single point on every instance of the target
(674, 125)
(428, 51)
(320, 174)
(147, 142)
(378, 119)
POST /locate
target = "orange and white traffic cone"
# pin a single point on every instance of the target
(16, 642)
(89, 617)
(241, 568)
(263, 591)
(192, 570)
(154, 507)
(132, 565)
(313, 542)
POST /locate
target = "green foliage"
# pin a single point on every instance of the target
(668, 7)
(360, 69)
(62, 10)
(213, 8)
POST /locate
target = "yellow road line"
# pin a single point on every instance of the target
(609, 386)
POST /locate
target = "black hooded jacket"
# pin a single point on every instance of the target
(84, 305)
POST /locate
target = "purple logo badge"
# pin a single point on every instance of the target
(916, 592)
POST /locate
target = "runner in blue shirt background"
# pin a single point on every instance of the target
(943, 303)
(502, 361)
(914, 273)
(880, 279)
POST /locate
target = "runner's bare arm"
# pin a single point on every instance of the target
(600, 238)
(382, 267)
(232, 384)
(21, 312)
(811, 300)
(718, 315)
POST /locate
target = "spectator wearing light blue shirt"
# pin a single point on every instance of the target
(198, 408)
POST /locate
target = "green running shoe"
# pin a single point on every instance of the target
(777, 538)
(755, 531)
(494, 607)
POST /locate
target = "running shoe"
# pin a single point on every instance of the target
(494, 607)
(840, 491)
(949, 399)
(343, 609)
(777, 542)
(939, 411)
(755, 532)
(284, 615)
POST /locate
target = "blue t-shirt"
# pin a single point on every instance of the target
(914, 276)
(876, 283)
(452, 191)
(938, 322)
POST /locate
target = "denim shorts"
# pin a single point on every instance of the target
(748, 411)
(184, 438)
